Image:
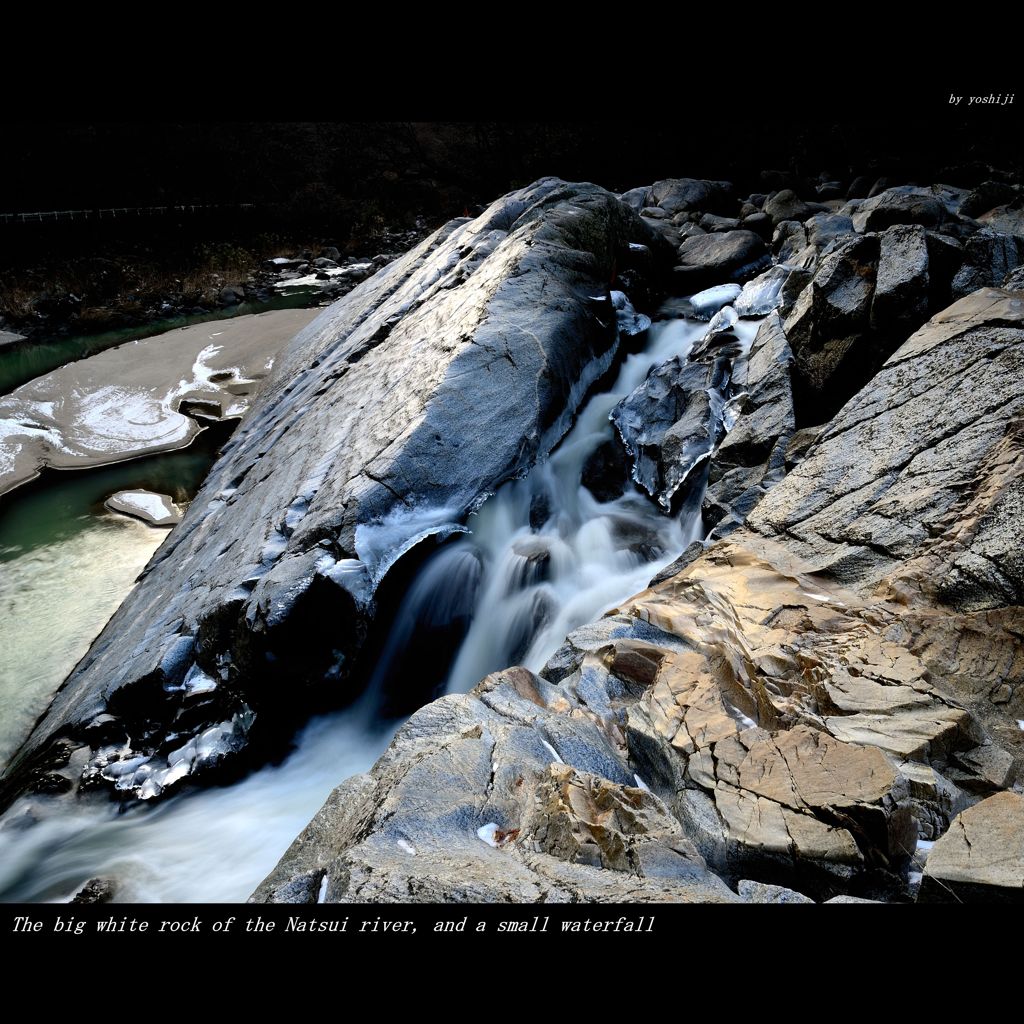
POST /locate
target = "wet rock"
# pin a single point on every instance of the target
(751, 458)
(315, 499)
(231, 295)
(668, 424)
(710, 259)
(763, 294)
(704, 305)
(791, 698)
(981, 857)
(501, 795)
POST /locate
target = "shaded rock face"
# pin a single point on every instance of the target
(832, 314)
(805, 699)
(386, 421)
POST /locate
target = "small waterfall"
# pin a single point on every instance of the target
(544, 556)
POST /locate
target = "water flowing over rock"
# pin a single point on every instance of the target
(808, 698)
(386, 421)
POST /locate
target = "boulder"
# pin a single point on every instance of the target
(787, 205)
(675, 195)
(513, 793)
(981, 857)
(988, 257)
(825, 228)
(709, 259)
(832, 313)
(468, 356)
(1014, 281)
(908, 204)
(670, 424)
(9, 339)
(606, 472)
(901, 282)
(1007, 219)
(713, 222)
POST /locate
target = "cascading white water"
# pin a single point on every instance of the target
(587, 555)
(517, 588)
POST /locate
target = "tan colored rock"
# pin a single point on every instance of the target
(981, 857)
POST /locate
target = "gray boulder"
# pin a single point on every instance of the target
(787, 205)
(902, 281)
(832, 313)
(720, 257)
(907, 204)
(8, 339)
(670, 425)
(676, 195)
(988, 256)
(386, 421)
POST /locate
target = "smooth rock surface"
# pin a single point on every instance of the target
(386, 421)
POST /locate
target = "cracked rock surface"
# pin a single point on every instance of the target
(786, 713)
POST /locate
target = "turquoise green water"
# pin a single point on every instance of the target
(66, 564)
(31, 361)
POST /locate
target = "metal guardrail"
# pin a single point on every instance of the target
(109, 213)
